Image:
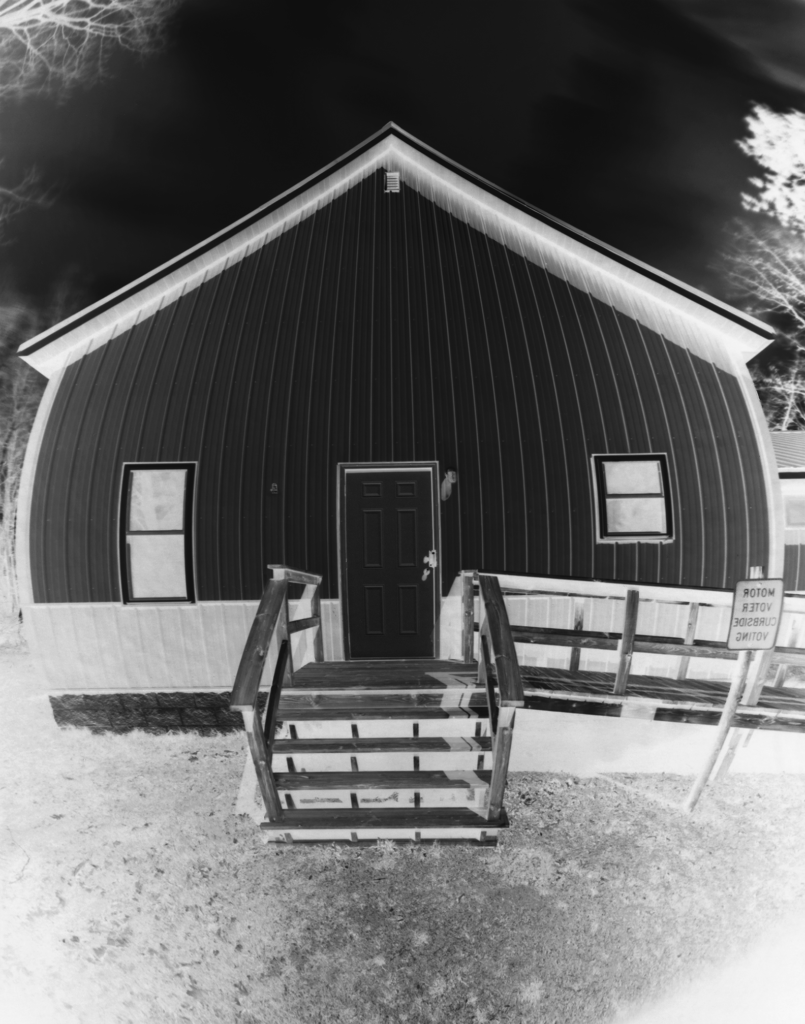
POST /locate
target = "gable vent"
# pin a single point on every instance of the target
(392, 181)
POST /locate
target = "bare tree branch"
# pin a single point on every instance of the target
(61, 43)
(765, 271)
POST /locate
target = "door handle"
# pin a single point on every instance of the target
(431, 561)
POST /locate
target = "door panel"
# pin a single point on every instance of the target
(388, 531)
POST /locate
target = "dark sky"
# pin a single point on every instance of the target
(618, 116)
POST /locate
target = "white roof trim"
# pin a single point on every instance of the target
(655, 305)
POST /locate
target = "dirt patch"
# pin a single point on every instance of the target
(132, 893)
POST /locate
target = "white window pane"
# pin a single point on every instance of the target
(636, 515)
(157, 565)
(157, 499)
(795, 511)
(633, 477)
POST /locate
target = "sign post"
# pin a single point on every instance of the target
(757, 607)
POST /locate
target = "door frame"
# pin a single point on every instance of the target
(342, 469)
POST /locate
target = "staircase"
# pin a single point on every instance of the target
(356, 752)
(384, 750)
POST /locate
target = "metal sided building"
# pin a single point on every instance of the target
(388, 374)
(789, 449)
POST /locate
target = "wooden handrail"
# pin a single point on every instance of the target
(252, 662)
(283, 572)
(788, 656)
(609, 642)
(272, 623)
(504, 653)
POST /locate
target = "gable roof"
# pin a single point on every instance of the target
(789, 448)
(628, 284)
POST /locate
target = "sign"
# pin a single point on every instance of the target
(756, 610)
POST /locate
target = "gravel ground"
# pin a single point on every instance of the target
(132, 893)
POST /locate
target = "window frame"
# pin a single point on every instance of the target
(603, 535)
(791, 482)
(187, 531)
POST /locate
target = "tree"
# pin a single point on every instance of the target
(777, 143)
(20, 391)
(763, 263)
(763, 267)
(47, 43)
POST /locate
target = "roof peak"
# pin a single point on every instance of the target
(325, 183)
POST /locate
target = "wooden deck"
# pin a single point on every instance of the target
(418, 689)
(419, 674)
(659, 699)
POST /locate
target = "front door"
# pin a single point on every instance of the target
(388, 536)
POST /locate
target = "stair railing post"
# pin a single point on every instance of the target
(486, 680)
(318, 636)
(467, 616)
(261, 757)
(500, 761)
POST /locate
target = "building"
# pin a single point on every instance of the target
(393, 361)
(789, 450)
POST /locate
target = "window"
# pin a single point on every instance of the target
(793, 487)
(633, 497)
(156, 542)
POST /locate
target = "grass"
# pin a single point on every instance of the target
(132, 893)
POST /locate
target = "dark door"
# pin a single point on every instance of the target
(388, 534)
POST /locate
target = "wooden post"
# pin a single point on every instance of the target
(690, 633)
(734, 695)
(578, 625)
(758, 671)
(755, 679)
(485, 680)
(468, 616)
(782, 670)
(500, 762)
(627, 640)
(262, 766)
(315, 611)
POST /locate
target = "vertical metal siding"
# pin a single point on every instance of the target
(382, 327)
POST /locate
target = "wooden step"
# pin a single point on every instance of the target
(376, 681)
(401, 790)
(382, 728)
(297, 704)
(357, 745)
(455, 753)
(365, 826)
(398, 761)
(352, 781)
(381, 674)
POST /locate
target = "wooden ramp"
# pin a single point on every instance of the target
(659, 699)
(383, 750)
